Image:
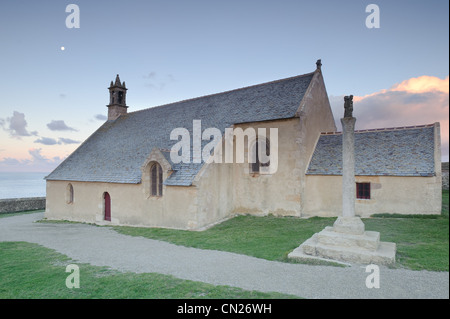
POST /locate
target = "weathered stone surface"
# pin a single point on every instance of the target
(445, 176)
(13, 205)
(349, 225)
(369, 240)
(348, 167)
(385, 255)
(361, 249)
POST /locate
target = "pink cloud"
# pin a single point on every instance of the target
(421, 100)
(423, 84)
(37, 163)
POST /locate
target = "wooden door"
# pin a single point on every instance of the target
(107, 199)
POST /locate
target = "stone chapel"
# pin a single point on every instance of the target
(125, 173)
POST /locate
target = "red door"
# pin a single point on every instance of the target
(107, 206)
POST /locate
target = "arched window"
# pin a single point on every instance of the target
(69, 194)
(156, 180)
(260, 146)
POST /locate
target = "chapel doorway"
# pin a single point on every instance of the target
(107, 205)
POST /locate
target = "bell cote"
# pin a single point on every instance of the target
(117, 99)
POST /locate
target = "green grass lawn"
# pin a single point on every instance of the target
(31, 271)
(422, 241)
(267, 237)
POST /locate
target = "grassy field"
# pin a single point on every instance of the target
(422, 240)
(31, 271)
(269, 237)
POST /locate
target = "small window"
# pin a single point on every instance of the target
(255, 167)
(156, 176)
(363, 190)
(69, 194)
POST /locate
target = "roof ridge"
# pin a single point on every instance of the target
(223, 92)
(385, 129)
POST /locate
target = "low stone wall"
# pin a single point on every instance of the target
(445, 175)
(13, 205)
(445, 180)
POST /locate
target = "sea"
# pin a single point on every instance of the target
(22, 185)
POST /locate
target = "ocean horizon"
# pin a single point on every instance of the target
(22, 184)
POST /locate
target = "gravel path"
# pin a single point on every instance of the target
(102, 246)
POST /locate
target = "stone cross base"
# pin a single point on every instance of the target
(347, 241)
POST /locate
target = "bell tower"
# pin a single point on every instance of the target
(117, 99)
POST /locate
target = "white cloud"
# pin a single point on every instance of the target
(16, 125)
(52, 141)
(63, 140)
(46, 141)
(100, 117)
(156, 82)
(59, 126)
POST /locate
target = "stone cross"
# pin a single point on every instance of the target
(347, 240)
(348, 223)
(348, 167)
(319, 64)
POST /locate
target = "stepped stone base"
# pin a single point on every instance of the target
(348, 242)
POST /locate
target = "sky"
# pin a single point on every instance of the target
(52, 99)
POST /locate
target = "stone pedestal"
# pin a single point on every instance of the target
(347, 241)
(349, 225)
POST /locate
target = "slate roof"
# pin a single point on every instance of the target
(118, 149)
(406, 151)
